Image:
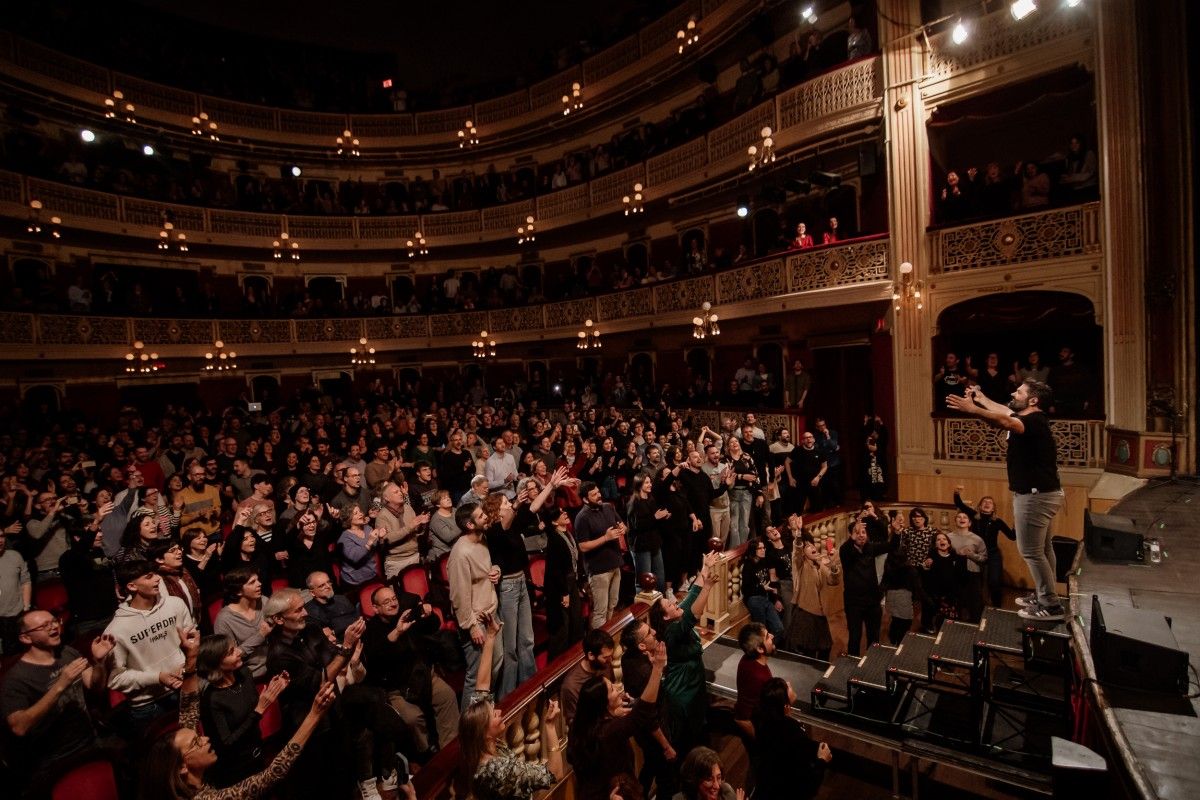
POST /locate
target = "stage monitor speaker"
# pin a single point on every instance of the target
(1135, 648)
(1109, 537)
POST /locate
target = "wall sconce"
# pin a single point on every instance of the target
(908, 289)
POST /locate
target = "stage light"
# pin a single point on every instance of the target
(743, 206)
(296, 172)
(960, 34)
(1021, 9)
(1074, 3)
(87, 135)
(147, 150)
(808, 15)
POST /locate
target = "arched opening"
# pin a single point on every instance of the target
(408, 380)
(40, 401)
(767, 234)
(32, 283)
(581, 267)
(403, 293)
(328, 293)
(699, 368)
(256, 293)
(1009, 329)
(641, 374)
(770, 355)
(694, 245)
(265, 389)
(531, 282)
(637, 256)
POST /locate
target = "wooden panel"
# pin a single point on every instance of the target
(313, 124)
(550, 91)
(241, 115)
(612, 59)
(612, 187)
(155, 95)
(736, 135)
(500, 108)
(62, 67)
(71, 201)
(678, 162)
(446, 120)
(383, 126)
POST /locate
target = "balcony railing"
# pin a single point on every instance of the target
(864, 260)
(1042, 236)
(649, 51)
(842, 97)
(1080, 442)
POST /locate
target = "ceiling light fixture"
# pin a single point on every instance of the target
(468, 135)
(634, 204)
(1021, 9)
(706, 324)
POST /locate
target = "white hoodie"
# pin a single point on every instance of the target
(147, 644)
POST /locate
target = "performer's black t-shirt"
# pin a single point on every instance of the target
(1032, 456)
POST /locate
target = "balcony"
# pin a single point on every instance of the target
(1059, 233)
(808, 275)
(1081, 442)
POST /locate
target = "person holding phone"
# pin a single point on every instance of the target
(860, 587)
(816, 575)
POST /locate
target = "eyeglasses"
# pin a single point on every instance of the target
(54, 623)
(197, 743)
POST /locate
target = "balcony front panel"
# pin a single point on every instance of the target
(612, 187)
(302, 229)
(150, 214)
(522, 318)
(612, 59)
(851, 86)
(685, 295)
(572, 200)
(736, 135)
(1042, 236)
(243, 223)
(71, 329)
(624, 305)
(155, 95)
(71, 200)
(858, 262)
(679, 162)
(445, 120)
(311, 123)
(175, 331)
(506, 107)
(570, 312)
(388, 227)
(454, 223)
(62, 67)
(662, 31)
(465, 323)
(231, 113)
(414, 327)
(17, 328)
(507, 218)
(383, 126)
(267, 331)
(1080, 442)
(549, 92)
(765, 279)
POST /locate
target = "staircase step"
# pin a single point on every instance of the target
(911, 659)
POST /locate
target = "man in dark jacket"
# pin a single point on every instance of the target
(860, 586)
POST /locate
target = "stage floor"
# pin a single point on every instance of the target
(1161, 749)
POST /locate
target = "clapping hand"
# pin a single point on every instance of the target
(271, 691)
(353, 633)
(102, 646)
(71, 673)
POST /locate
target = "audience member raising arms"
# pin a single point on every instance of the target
(675, 624)
(600, 732)
(988, 527)
(489, 770)
(176, 764)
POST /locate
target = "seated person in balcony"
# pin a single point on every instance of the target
(748, 88)
(954, 202)
(803, 239)
(1079, 175)
(859, 43)
(1035, 186)
(950, 379)
(1072, 384)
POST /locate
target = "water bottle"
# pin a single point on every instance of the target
(1155, 551)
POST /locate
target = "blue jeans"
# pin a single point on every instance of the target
(517, 634)
(740, 501)
(1032, 514)
(762, 609)
(471, 653)
(651, 562)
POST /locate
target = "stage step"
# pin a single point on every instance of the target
(953, 652)
(868, 683)
(834, 684)
(911, 659)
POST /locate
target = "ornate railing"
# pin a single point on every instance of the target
(995, 37)
(1080, 442)
(757, 280)
(842, 90)
(1043, 236)
(639, 54)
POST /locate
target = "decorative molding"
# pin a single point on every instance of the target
(174, 331)
(996, 37)
(752, 283)
(1046, 235)
(838, 266)
(856, 84)
(16, 328)
(1080, 443)
(328, 330)
(406, 327)
(267, 331)
(686, 295)
(467, 323)
(631, 303)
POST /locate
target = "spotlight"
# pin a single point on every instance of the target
(1021, 9)
(743, 206)
(87, 135)
(147, 150)
(809, 15)
(296, 171)
(960, 33)
(1074, 3)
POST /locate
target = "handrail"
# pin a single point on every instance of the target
(847, 90)
(851, 263)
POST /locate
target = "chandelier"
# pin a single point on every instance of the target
(282, 245)
(361, 358)
(347, 145)
(589, 337)
(764, 154)
(574, 100)
(139, 362)
(203, 126)
(219, 359)
(525, 232)
(34, 224)
(117, 106)
(705, 325)
(687, 36)
(483, 347)
(164, 238)
(416, 246)
(907, 289)
(633, 205)
(468, 135)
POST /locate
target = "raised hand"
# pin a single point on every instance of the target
(71, 673)
(102, 646)
(189, 641)
(553, 712)
(324, 698)
(659, 659)
(271, 691)
(824, 753)
(353, 633)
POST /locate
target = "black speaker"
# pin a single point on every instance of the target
(1136, 648)
(1108, 537)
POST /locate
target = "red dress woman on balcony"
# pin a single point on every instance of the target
(804, 239)
(832, 235)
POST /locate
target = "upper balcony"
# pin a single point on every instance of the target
(833, 102)
(610, 77)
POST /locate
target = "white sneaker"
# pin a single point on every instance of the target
(1028, 601)
(390, 783)
(368, 791)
